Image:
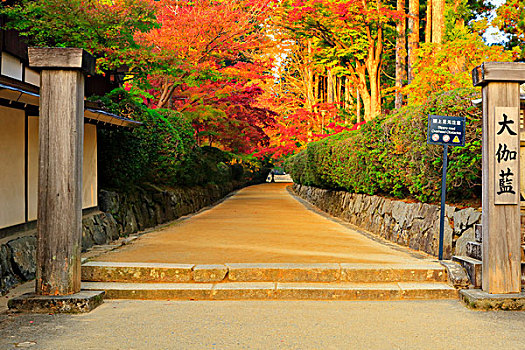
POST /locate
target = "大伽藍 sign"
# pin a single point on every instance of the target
(506, 155)
(445, 130)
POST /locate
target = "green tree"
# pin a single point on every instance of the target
(104, 28)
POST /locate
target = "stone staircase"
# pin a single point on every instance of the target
(473, 260)
(328, 281)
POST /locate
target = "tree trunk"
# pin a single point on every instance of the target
(428, 25)
(347, 103)
(373, 66)
(438, 21)
(330, 87)
(400, 55)
(375, 93)
(338, 90)
(321, 89)
(315, 82)
(309, 74)
(413, 36)
(358, 107)
(325, 89)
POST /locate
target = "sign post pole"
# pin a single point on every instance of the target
(443, 197)
(446, 131)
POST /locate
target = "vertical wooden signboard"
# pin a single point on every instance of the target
(501, 175)
(506, 156)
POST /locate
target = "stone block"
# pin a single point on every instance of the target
(81, 302)
(473, 268)
(392, 273)
(152, 291)
(136, 272)
(108, 201)
(478, 233)
(461, 243)
(284, 272)
(99, 236)
(456, 274)
(449, 211)
(23, 255)
(420, 273)
(243, 290)
(7, 276)
(209, 273)
(478, 299)
(337, 291)
(427, 291)
(474, 250)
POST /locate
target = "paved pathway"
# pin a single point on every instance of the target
(269, 325)
(259, 224)
(265, 224)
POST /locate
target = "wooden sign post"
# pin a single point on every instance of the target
(61, 130)
(500, 82)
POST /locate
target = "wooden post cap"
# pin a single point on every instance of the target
(61, 58)
(498, 71)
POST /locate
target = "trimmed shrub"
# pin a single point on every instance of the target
(163, 150)
(390, 154)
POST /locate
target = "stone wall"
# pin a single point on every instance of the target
(415, 225)
(121, 214)
(149, 206)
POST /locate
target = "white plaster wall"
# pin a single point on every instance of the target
(12, 163)
(32, 167)
(11, 66)
(89, 171)
(32, 77)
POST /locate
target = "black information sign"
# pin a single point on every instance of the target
(445, 130)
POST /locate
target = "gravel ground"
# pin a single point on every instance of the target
(268, 325)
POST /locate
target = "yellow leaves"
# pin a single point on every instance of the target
(225, 91)
(441, 67)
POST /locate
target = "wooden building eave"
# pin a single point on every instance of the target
(19, 92)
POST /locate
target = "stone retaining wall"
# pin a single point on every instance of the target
(415, 225)
(121, 214)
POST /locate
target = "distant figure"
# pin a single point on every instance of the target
(272, 173)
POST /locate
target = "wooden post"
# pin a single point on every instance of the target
(501, 175)
(60, 167)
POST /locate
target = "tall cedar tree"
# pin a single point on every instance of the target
(349, 33)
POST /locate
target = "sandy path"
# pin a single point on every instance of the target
(259, 224)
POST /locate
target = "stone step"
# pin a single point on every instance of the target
(474, 250)
(273, 291)
(473, 268)
(96, 271)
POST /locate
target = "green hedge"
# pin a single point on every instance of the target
(163, 150)
(390, 155)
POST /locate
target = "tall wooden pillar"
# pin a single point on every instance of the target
(501, 175)
(60, 167)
